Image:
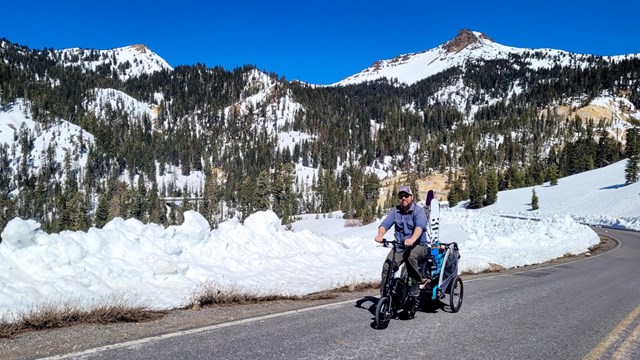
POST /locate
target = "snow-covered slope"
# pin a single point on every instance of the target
(264, 96)
(274, 112)
(615, 112)
(61, 137)
(596, 192)
(127, 62)
(100, 101)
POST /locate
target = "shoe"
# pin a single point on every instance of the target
(411, 307)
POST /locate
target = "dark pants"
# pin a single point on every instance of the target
(414, 257)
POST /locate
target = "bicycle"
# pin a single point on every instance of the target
(395, 292)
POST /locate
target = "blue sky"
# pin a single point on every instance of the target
(319, 42)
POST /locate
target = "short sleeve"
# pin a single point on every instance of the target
(388, 221)
(420, 218)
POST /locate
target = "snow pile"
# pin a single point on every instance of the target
(509, 242)
(161, 268)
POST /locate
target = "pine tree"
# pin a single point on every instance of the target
(119, 202)
(412, 180)
(603, 150)
(514, 177)
(391, 199)
(453, 197)
(157, 209)
(457, 192)
(79, 211)
(477, 189)
(553, 174)
(357, 195)
(102, 212)
(367, 215)
(632, 152)
(329, 192)
(137, 200)
(285, 200)
(186, 204)
(64, 214)
(211, 197)
(347, 207)
(40, 195)
(246, 197)
(7, 207)
(371, 190)
(262, 190)
(534, 200)
(492, 188)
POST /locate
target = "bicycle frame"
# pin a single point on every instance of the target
(390, 284)
(397, 282)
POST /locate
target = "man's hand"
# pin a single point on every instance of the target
(378, 238)
(409, 242)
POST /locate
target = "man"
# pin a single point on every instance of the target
(410, 223)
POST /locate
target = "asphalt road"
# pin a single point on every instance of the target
(584, 309)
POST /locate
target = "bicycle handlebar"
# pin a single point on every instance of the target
(392, 243)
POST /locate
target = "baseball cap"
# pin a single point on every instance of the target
(405, 189)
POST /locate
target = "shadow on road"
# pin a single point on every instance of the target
(368, 299)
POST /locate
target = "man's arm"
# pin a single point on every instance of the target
(415, 237)
(381, 232)
(384, 226)
(420, 225)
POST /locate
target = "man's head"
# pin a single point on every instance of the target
(405, 195)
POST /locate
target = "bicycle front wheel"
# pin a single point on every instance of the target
(383, 312)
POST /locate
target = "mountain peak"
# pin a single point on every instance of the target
(464, 38)
(140, 48)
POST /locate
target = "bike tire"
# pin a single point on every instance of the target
(383, 312)
(456, 294)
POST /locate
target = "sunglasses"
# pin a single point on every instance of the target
(403, 196)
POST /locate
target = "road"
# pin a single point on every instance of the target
(584, 309)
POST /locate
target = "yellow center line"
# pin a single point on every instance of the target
(596, 352)
(621, 353)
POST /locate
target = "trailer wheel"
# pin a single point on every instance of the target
(456, 293)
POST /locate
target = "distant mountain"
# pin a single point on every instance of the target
(466, 46)
(125, 62)
(458, 63)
